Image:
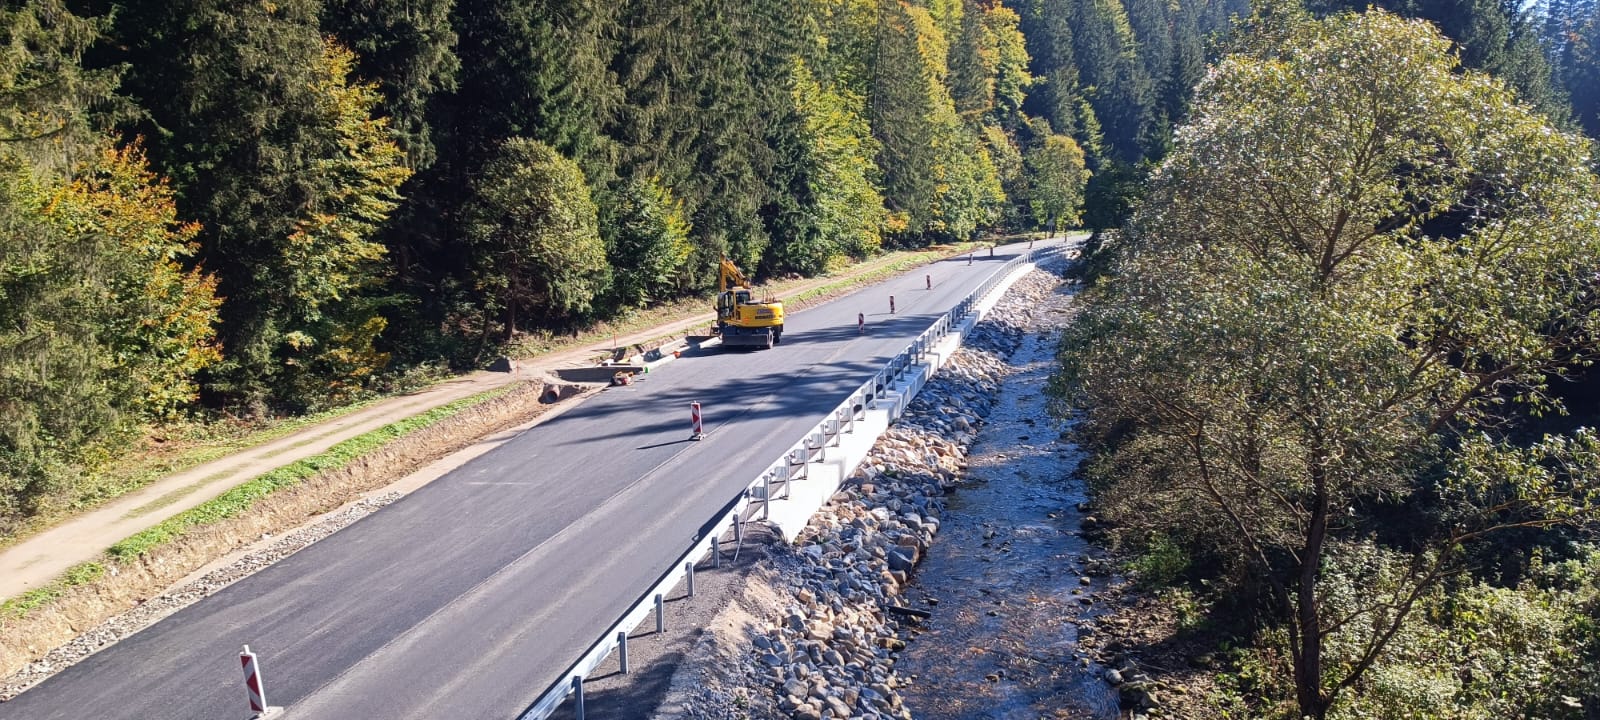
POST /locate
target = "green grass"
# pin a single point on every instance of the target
(80, 574)
(213, 441)
(175, 495)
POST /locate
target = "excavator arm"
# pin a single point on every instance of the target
(729, 272)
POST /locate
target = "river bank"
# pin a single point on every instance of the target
(866, 615)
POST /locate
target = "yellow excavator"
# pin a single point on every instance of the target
(742, 321)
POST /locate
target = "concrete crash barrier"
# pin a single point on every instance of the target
(600, 374)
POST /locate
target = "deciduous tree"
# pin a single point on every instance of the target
(535, 235)
(1356, 262)
(1056, 175)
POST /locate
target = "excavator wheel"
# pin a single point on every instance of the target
(770, 340)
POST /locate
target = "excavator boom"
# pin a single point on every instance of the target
(729, 272)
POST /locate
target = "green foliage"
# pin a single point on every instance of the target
(939, 181)
(829, 208)
(1356, 260)
(407, 47)
(1161, 563)
(534, 232)
(80, 574)
(270, 146)
(1493, 36)
(102, 328)
(1571, 35)
(989, 63)
(48, 97)
(648, 243)
(1056, 177)
(331, 352)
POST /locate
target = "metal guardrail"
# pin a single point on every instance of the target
(753, 500)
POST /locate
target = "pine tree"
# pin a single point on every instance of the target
(407, 47)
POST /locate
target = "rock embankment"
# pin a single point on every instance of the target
(835, 611)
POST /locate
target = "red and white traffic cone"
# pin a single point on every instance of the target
(891, 304)
(861, 323)
(252, 683)
(694, 415)
(928, 278)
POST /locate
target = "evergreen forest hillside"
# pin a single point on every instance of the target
(243, 208)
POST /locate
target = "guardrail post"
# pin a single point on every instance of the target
(661, 614)
(577, 697)
(766, 496)
(622, 649)
(688, 575)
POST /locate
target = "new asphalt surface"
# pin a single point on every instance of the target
(469, 597)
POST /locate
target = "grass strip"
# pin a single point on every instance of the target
(80, 574)
(240, 499)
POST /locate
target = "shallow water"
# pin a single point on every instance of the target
(1004, 579)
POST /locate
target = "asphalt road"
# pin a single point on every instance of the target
(469, 597)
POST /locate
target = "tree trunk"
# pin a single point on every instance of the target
(1308, 663)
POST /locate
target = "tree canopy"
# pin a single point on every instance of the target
(1356, 264)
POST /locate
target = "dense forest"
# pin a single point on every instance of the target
(1336, 367)
(252, 209)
